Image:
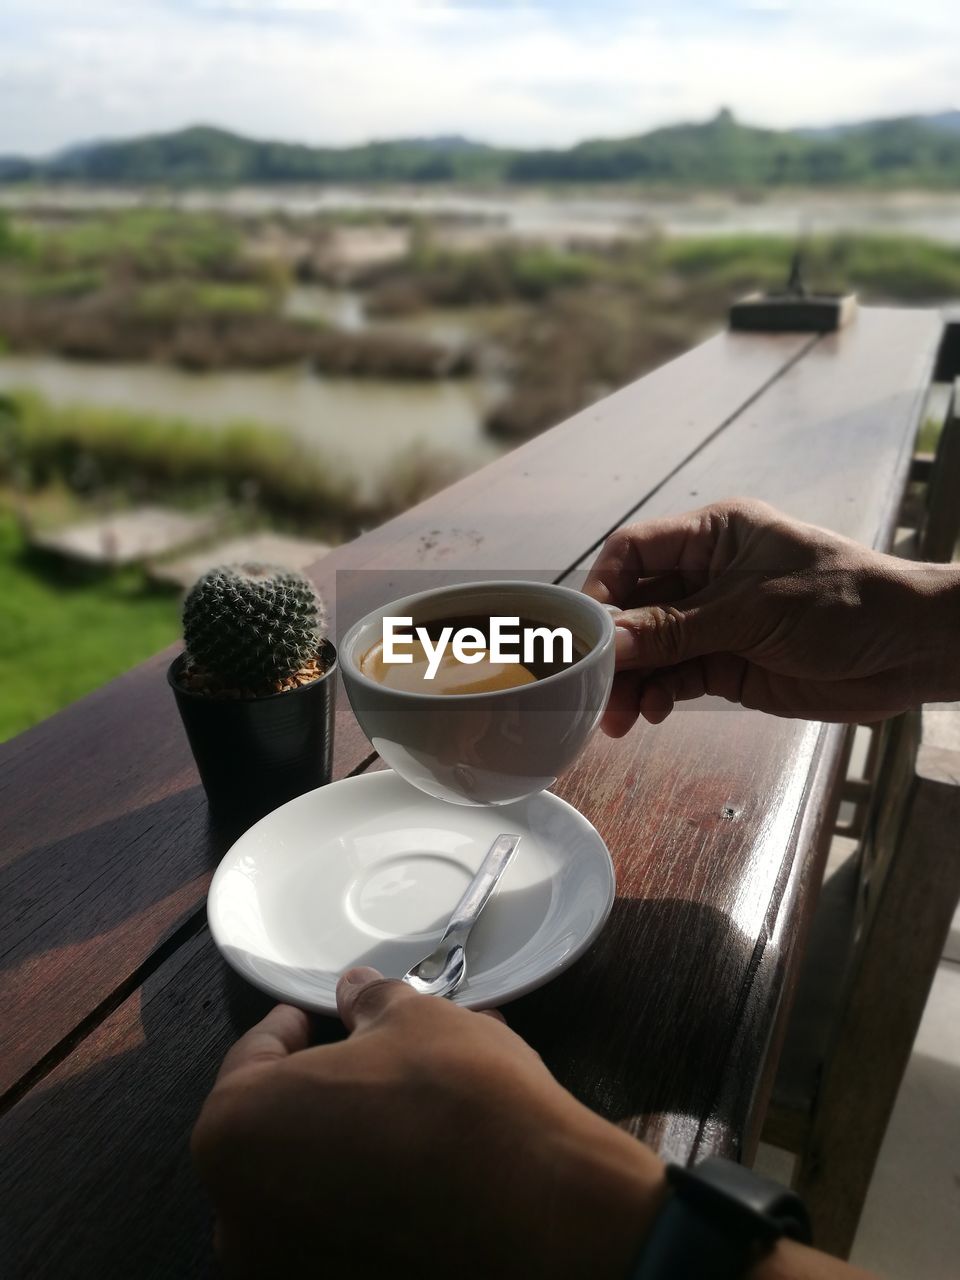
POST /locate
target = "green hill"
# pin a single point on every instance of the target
(912, 151)
(725, 153)
(203, 154)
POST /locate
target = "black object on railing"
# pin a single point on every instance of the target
(794, 309)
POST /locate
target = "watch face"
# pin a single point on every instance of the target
(720, 1220)
(746, 1201)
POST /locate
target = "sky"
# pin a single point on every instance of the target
(501, 71)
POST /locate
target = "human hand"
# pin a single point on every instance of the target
(433, 1134)
(741, 601)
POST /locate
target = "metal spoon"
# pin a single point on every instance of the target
(442, 971)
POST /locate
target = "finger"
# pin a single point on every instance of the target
(672, 685)
(655, 702)
(495, 1014)
(283, 1031)
(650, 549)
(667, 635)
(364, 995)
(663, 588)
(720, 675)
(623, 708)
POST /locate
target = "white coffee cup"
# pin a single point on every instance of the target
(490, 747)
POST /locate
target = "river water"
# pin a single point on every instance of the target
(546, 215)
(345, 309)
(365, 428)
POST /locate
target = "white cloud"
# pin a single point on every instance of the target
(341, 71)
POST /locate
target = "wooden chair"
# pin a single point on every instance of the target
(889, 895)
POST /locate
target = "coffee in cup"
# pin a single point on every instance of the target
(481, 731)
(420, 671)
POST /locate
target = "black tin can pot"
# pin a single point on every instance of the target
(254, 754)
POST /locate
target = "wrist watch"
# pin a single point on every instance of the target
(719, 1220)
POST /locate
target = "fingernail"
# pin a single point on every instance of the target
(625, 644)
(360, 976)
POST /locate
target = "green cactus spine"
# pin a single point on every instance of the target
(251, 625)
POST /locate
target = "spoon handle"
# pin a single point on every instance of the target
(480, 888)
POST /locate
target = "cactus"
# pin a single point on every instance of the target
(251, 625)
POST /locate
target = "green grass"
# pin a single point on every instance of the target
(906, 268)
(62, 637)
(169, 299)
(169, 458)
(699, 255)
(155, 242)
(707, 270)
(929, 435)
(15, 243)
(76, 283)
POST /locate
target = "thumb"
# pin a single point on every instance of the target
(364, 996)
(285, 1030)
(664, 635)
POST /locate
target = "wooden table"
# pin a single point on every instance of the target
(116, 1009)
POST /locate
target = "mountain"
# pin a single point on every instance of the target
(725, 153)
(944, 120)
(949, 120)
(16, 169)
(922, 151)
(445, 142)
(206, 155)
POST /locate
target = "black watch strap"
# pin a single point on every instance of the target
(719, 1220)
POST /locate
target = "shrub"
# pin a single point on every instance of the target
(171, 299)
(143, 455)
(897, 267)
(75, 283)
(153, 243)
(49, 443)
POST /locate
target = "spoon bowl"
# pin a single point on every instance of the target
(439, 973)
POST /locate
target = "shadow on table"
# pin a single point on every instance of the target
(640, 1028)
(519, 913)
(132, 859)
(97, 1181)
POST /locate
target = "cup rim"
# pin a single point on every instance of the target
(351, 669)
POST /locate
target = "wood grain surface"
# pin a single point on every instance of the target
(96, 1172)
(715, 820)
(105, 843)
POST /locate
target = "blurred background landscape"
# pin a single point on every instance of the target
(275, 331)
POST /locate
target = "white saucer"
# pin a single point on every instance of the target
(368, 871)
